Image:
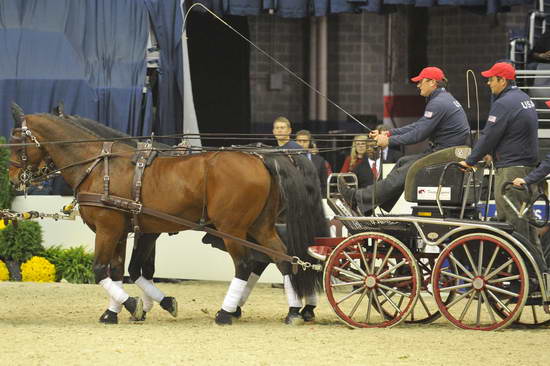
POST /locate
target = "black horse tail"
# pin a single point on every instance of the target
(304, 216)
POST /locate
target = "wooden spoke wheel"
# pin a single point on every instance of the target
(426, 310)
(371, 280)
(489, 271)
(531, 316)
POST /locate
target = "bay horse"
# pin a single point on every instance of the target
(239, 193)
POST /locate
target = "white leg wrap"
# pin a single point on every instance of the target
(116, 293)
(150, 292)
(234, 294)
(312, 299)
(252, 280)
(293, 300)
(113, 305)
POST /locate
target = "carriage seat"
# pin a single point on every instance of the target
(423, 177)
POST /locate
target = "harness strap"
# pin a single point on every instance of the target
(127, 205)
(143, 156)
(106, 152)
(95, 160)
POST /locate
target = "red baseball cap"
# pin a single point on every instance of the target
(502, 69)
(434, 73)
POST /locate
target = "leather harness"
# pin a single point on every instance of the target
(143, 158)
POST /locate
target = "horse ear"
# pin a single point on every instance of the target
(59, 110)
(18, 115)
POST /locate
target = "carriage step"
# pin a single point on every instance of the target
(319, 252)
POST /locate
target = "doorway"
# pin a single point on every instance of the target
(220, 73)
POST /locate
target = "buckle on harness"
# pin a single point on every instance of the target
(135, 208)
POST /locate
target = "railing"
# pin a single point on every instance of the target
(533, 83)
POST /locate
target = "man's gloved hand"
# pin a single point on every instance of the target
(382, 140)
(465, 165)
(518, 182)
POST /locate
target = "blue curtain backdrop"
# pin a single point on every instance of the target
(90, 55)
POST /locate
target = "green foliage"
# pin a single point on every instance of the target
(6, 193)
(22, 242)
(55, 256)
(73, 264)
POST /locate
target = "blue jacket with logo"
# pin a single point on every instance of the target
(444, 123)
(510, 134)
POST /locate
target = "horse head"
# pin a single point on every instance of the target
(28, 159)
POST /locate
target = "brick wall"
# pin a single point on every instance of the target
(458, 40)
(285, 40)
(356, 64)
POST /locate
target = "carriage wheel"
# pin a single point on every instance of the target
(489, 271)
(371, 280)
(426, 310)
(531, 316)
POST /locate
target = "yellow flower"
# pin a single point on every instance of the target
(4, 273)
(37, 269)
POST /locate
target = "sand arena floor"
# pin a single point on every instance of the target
(56, 324)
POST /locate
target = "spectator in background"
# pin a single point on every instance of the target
(303, 138)
(363, 161)
(282, 131)
(314, 150)
(389, 154)
(358, 151)
(540, 52)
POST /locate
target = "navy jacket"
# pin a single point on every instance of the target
(444, 123)
(540, 173)
(291, 145)
(510, 134)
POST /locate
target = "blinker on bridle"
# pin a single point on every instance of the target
(27, 173)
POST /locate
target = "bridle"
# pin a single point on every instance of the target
(29, 174)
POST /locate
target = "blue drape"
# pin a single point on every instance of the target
(167, 22)
(89, 54)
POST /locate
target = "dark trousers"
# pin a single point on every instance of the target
(517, 197)
(386, 192)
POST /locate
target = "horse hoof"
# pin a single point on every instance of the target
(142, 319)
(134, 305)
(307, 313)
(225, 317)
(294, 317)
(237, 313)
(109, 317)
(170, 304)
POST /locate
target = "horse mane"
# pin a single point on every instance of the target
(100, 130)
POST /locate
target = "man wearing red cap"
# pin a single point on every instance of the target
(510, 137)
(444, 123)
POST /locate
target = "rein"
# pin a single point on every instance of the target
(127, 205)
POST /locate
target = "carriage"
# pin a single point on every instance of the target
(441, 260)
